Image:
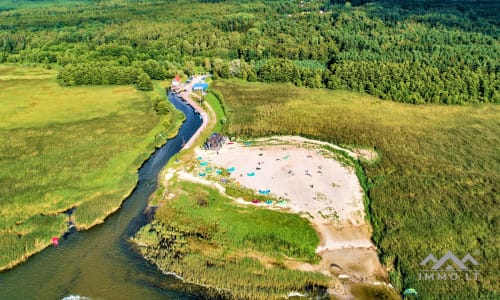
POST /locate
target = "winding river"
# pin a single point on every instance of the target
(99, 263)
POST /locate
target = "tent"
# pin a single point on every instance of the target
(410, 291)
(264, 192)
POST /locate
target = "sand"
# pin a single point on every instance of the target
(314, 185)
(306, 179)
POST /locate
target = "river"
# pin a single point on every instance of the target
(99, 263)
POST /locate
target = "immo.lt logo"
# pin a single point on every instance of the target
(449, 267)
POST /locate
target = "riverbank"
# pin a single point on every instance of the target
(303, 178)
(205, 121)
(67, 169)
(299, 173)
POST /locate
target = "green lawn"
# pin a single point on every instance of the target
(218, 109)
(64, 147)
(434, 189)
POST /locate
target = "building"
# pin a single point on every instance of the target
(215, 141)
(201, 87)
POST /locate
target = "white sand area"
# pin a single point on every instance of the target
(316, 186)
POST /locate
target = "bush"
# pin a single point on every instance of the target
(144, 82)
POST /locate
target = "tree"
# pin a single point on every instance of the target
(144, 82)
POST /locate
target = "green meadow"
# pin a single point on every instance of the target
(240, 252)
(434, 189)
(214, 103)
(64, 147)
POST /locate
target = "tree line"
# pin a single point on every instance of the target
(444, 52)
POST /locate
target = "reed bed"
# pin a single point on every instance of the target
(207, 239)
(66, 147)
(434, 188)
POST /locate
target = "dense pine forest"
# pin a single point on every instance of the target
(406, 51)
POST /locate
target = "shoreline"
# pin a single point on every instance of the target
(203, 115)
(373, 274)
(171, 133)
(336, 239)
(186, 96)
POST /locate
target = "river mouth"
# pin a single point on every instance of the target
(100, 263)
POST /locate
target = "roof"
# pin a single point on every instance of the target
(215, 137)
(200, 86)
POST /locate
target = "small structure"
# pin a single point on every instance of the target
(176, 81)
(215, 141)
(201, 87)
(176, 84)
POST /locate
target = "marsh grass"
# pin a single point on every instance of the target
(238, 191)
(368, 292)
(8, 72)
(65, 147)
(207, 239)
(434, 189)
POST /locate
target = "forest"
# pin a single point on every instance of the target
(406, 51)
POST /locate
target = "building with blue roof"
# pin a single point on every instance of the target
(200, 87)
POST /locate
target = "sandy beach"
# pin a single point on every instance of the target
(302, 177)
(312, 184)
(305, 178)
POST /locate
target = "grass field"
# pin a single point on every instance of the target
(65, 147)
(219, 111)
(205, 238)
(434, 189)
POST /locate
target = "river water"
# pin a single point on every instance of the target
(99, 263)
